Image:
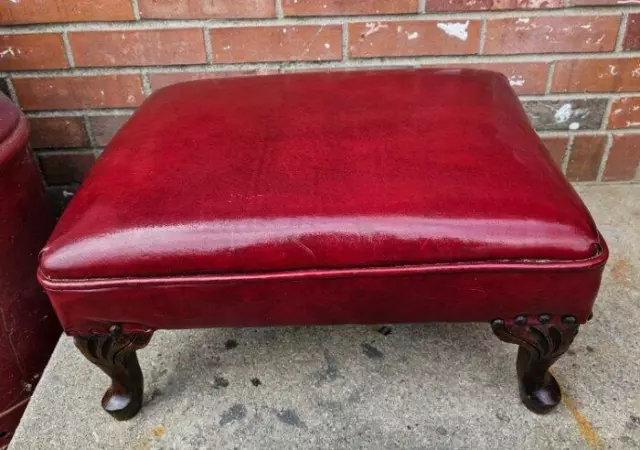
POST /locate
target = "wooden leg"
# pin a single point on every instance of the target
(542, 341)
(115, 355)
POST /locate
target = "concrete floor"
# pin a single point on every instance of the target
(432, 386)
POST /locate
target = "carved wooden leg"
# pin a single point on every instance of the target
(542, 341)
(115, 354)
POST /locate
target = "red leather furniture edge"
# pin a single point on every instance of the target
(364, 197)
(28, 326)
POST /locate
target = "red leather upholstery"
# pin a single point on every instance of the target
(28, 327)
(323, 198)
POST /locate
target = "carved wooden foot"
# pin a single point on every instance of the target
(542, 341)
(115, 354)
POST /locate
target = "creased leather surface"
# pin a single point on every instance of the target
(320, 172)
(28, 326)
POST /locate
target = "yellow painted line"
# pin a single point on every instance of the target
(583, 424)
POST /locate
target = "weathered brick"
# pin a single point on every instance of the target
(566, 114)
(586, 155)
(557, 147)
(524, 78)
(160, 80)
(624, 158)
(77, 92)
(138, 47)
(57, 132)
(65, 168)
(625, 113)
(206, 9)
(59, 197)
(596, 2)
(104, 127)
(343, 8)
(597, 75)
(32, 52)
(4, 87)
(277, 43)
(413, 38)
(632, 33)
(47, 11)
(482, 5)
(551, 34)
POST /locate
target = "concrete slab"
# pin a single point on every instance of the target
(432, 386)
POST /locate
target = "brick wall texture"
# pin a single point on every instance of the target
(79, 69)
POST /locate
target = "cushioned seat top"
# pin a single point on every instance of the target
(321, 171)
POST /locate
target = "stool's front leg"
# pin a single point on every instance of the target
(115, 354)
(542, 341)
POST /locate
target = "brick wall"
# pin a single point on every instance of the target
(79, 69)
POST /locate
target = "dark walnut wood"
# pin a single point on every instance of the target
(542, 341)
(115, 354)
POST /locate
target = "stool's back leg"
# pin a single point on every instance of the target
(115, 354)
(542, 341)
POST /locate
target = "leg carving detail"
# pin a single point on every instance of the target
(542, 341)
(115, 355)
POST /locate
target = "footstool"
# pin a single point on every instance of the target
(325, 198)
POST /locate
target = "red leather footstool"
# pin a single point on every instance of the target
(338, 198)
(28, 327)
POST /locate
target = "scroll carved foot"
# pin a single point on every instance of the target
(115, 355)
(542, 341)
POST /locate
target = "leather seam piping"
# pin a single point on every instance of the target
(62, 285)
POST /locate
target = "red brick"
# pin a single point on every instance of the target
(345, 8)
(625, 113)
(551, 34)
(557, 147)
(32, 52)
(413, 38)
(160, 80)
(481, 5)
(525, 78)
(138, 48)
(277, 43)
(624, 157)
(596, 2)
(78, 92)
(632, 33)
(57, 132)
(65, 168)
(104, 127)
(58, 197)
(206, 9)
(586, 154)
(597, 75)
(48, 11)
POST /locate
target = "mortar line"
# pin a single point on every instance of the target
(67, 49)
(360, 62)
(567, 154)
(483, 36)
(146, 82)
(605, 157)
(621, 32)
(279, 9)
(208, 48)
(65, 151)
(613, 11)
(80, 112)
(345, 41)
(89, 128)
(12, 91)
(136, 9)
(422, 6)
(607, 112)
(547, 86)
